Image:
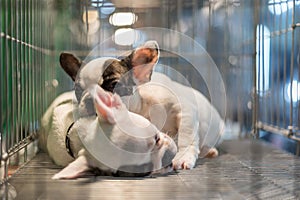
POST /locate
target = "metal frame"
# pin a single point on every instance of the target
(26, 66)
(276, 119)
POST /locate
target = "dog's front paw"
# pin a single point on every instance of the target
(184, 160)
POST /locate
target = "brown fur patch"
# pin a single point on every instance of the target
(212, 153)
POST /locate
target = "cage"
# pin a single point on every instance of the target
(255, 46)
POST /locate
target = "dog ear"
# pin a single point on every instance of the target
(145, 54)
(70, 63)
(104, 102)
(142, 61)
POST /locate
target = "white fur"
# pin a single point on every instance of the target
(184, 112)
(58, 118)
(92, 72)
(54, 125)
(177, 110)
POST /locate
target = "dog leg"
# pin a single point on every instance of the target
(184, 160)
(74, 170)
(188, 138)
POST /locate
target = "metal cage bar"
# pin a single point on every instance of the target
(278, 108)
(28, 70)
(27, 66)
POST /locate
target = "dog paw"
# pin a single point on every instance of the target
(212, 153)
(185, 161)
(208, 152)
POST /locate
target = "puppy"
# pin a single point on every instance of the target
(107, 71)
(114, 148)
(195, 122)
(181, 112)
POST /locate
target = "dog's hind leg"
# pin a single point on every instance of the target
(208, 152)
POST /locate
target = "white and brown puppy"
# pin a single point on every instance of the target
(113, 147)
(107, 71)
(183, 113)
(188, 114)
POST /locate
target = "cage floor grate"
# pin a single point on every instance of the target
(244, 170)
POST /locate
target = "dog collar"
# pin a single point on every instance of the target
(67, 141)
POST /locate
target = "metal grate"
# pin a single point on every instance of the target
(277, 68)
(25, 73)
(244, 170)
(231, 31)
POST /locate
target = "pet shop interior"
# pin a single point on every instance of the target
(242, 55)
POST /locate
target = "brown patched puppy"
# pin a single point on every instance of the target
(134, 69)
(188, 113)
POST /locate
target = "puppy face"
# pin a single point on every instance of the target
(134, 69)
(133, 135)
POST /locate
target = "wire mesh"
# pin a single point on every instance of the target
(277, 75)
(255, 45)
(26, 68)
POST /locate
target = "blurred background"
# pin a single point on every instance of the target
(254, 44)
